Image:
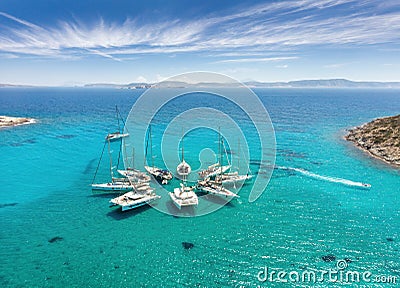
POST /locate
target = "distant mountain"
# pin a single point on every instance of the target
(328, 83)
(119, 86)
(323, 83)
(15, 85)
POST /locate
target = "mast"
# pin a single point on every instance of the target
(126, 155)
(220, 154)
(238, 155)
(133, 157)
(116, 112)
(151, 149)
(219, 146)
(183, 148)
(109, 154)
(183, 157)
(220, 149)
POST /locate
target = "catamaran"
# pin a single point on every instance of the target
(118, 134)
(134, 199)
(161, 175)
(184, 195)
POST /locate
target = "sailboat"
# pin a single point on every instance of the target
(213, 186)
(135, 175)
(161, 175)
(118, 134)
(132, 173)
(216, 168)
(233, 178)
(184, 195)
(116, 184)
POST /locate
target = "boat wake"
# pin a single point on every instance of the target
(325, 178)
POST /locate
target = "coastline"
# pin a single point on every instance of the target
(379, 138)
(8, 121)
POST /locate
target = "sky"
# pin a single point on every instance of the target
(66, 43)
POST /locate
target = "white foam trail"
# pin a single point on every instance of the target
(326, 178)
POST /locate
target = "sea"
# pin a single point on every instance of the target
(311, 219)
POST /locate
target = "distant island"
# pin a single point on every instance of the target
(328, 83)
(380, 138)
(323, 83)
(7, 121)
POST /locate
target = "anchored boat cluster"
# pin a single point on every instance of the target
(135, 184)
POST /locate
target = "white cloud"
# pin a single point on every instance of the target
(20, 21)
(265, 59)
(160, 78)
(253, 30)
(141, 79)
(336, 65)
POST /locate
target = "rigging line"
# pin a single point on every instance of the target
(122, 119)
(119, 154)
(116, 110)
(98, 164)
(226, 152)
(147, 145)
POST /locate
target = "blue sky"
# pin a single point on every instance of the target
(52, 42)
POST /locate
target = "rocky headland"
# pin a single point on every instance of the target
(380, 138)
(7, 121)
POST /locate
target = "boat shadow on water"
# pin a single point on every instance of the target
(218, 200)
(189, 211)
(118, 214)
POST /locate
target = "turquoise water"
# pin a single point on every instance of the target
(47, 169)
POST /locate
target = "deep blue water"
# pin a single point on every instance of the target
(47, 169)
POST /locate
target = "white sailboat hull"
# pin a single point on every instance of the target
(234, 180)
(212, 171)
(115, 136)
(135, 175)
(112, 187)
(218, 191)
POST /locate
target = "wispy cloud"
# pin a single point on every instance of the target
(337, 65)
(20, 21)
(283, 25)
(265, 59)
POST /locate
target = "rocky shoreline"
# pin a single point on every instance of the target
(7, 121)
(380, 138)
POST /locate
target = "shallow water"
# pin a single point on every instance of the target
(48, 167)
